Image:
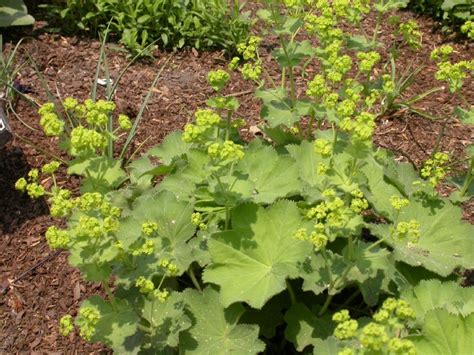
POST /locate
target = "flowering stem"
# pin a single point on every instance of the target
(373, 245)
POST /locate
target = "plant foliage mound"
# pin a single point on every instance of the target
(310, 239)
(169, 24)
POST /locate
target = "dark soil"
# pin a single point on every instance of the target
(32, 297)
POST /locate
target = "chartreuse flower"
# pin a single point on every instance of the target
(411, 34)
(317, 87)
(66, 325)
(146, 248)
(249, 50)
(86, 141)
(35, 190)
(234, 63)
(217, 79)
(408, 231)
(252, 71)
(205, 120)
(61, 203)
(442, 53)
(21, 184)
(358, 202)
(368, 61)
(373, 337)
(227, 151)
(124, 122)
(453, 73)
(50, 122)
(87, 320)
(149, 228)
(468, 28)
(346, 327)
(70, 103)
(323, 147)
(170, 268)
(144, 285)
(398, 203)
(434, 169)
(51, 167)
(57, 238)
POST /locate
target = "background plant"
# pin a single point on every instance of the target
(170, 24)
(14, 13)
(224, 255)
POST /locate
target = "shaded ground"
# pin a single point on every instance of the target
(31, 306)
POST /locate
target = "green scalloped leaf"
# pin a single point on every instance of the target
(167, 320)
(216, 330)
(446, 242)
(305, 328)
(252, 261)
(117, 324)
(269, 174)
(432, 294)
(173, 218)
(172, 146)
(445, 333)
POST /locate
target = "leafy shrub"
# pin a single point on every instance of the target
(14, 13)
(243, 246)
(171, 24)
(453, 13)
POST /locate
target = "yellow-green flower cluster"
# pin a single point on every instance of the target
(408, 231)
(149, 228)
(57, 238)
(206, 121)
(361, 128)
(51, 167)
(323, 147)
(31, 186)
(441, 53)
(358, 202)
(197, 220)
(86, 141)
(454, 73)
(368, 60)
(147, 287)
(50, 122)
(389, 85)
(249, 50)
(144, 285)
(468, 28)
(226, 152)
(66, 325)
(217, 79)
(146, 248)
(398, 203)
(124, 122)
(411, 34)
(435, 170)
(346, 327)
(61, 203)
(252, 71)
(170, 268)
(317, 87)
(382, 336)
(87, 320)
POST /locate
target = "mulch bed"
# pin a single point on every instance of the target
(31, 306)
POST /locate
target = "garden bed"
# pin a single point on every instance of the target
(31, 306)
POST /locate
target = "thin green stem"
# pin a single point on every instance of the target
(291, 292)
(373, 245)
(110, 295)
(468, 180)
(326, 304)
(193, 278)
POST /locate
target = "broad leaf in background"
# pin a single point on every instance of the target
(117, 323)
(172, 146)
(173, 219)
(446, 242)
(215, 330)
(101, 174)
(271, 175)
(445, 333)
(14, 13)
(305, 328)
(432, 294)
(252, 261)
(166, 321)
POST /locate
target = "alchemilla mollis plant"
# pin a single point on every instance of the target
(310, 239)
